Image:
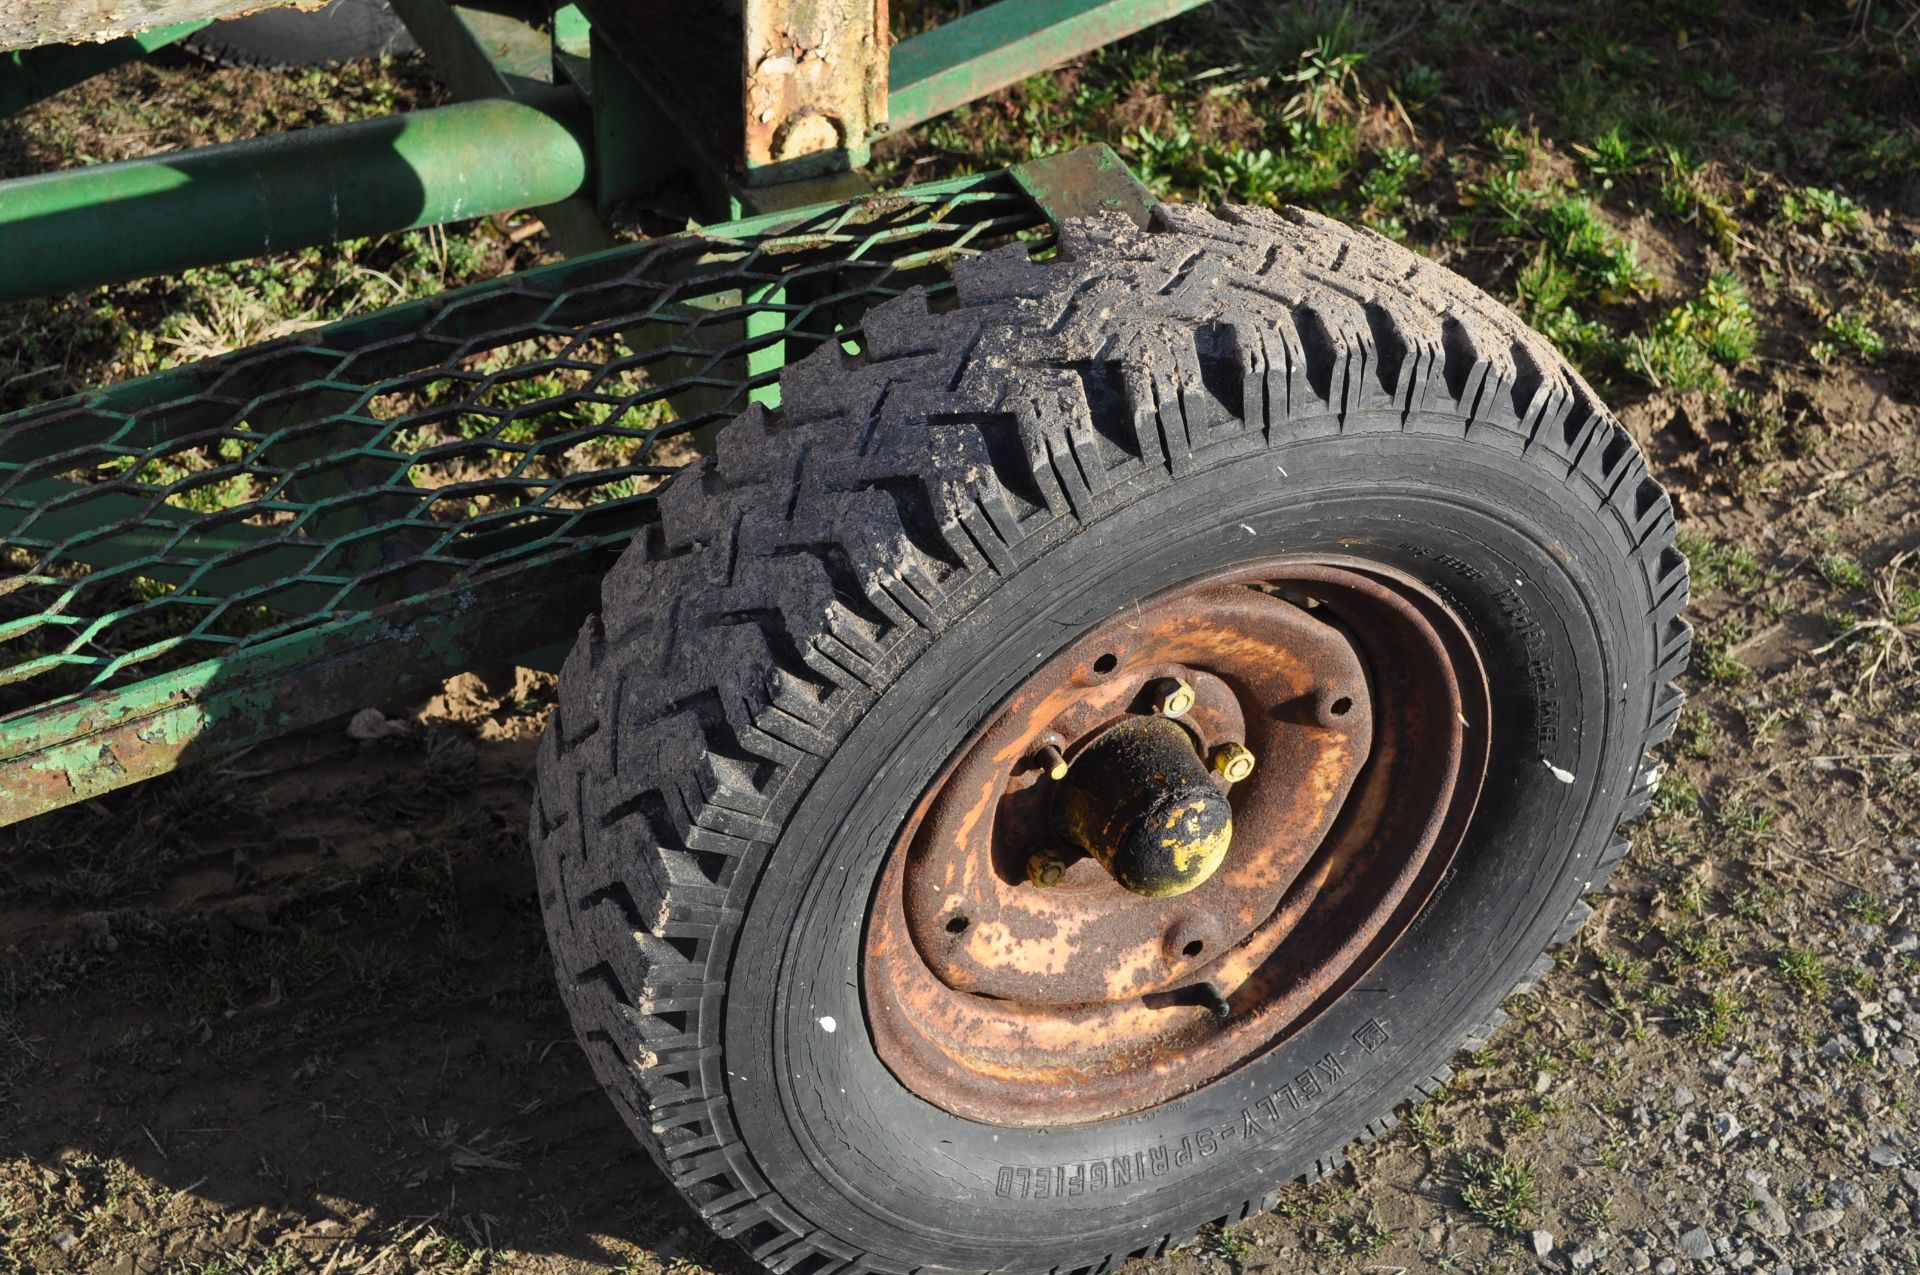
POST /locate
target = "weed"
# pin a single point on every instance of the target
(1686, 190)
(1689, 892)
(1687, 347)
(1801, 970)
(1521, 1118)
(1363, 1237)
(1713, 566)
(1595, 1213)
(1848, 330)
(1225, 1243)
(1611, 156)
(1756, 903)
(1423, 1124)
(1703, 949)
(1869, 908)
(1828, 210)
(1629, 970)
(1699, 737)
(1843, 572)
(1709, 1020)
(1743, 822)
(1713, 646)
(1342, 31)
(1499, 1189)
(1420, 84)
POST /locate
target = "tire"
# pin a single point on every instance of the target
(832, 601)
(339, 31)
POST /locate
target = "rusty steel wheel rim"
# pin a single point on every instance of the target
(1008, 975)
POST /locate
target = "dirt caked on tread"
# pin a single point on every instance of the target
(799, 574)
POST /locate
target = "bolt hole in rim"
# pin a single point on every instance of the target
(1025, 998)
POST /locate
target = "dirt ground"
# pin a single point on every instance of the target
(292, 1012)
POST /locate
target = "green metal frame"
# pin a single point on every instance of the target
(32, 75)
(553, 120)
(205, 557)
(220, 552)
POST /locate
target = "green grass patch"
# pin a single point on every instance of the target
(1713, 565)
(1689, 346)
(1801, 970)
(1842, 572)
(1847, 330)
(1499, 1189)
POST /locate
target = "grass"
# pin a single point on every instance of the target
(1710, 1019)
(1499, 1189)
(1801, 969)
(1692, 345)
(1847, 330)
(1714, 565)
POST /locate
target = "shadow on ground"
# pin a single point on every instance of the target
(301, 1001)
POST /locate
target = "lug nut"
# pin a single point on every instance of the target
(1172, 696)
(1054, 761)
(1045, 870)
(1233, 762)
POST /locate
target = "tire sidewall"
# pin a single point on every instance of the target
(1536, 566)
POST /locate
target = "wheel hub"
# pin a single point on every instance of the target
(1174, 842)
(1142, 805)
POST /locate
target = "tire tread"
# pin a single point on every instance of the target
(746, 682)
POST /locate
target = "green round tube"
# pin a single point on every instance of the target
(104, 223)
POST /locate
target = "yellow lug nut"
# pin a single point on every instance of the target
(1174, 697)
(1045, 870)
(1054, 761)
(1233, 762)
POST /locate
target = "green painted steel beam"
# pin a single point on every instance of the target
(105, 223)
(1004, 43)
(82, 748)
(33, 75)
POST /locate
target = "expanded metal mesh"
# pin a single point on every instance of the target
(434, 448)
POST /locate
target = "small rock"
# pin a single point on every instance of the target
(1697, 1244)
(1835, 1047)
(1638, 1260)
(98, 929)
(1542, 1242)
(1682, 1096)
(1814, 1221)
(1847, 1195)
(1869, 1035)
(1904, 1057)
(1905, 940)
(1886, 1157)
(371, 723)
(1667, 1267)
(1726, 1126)
(1581, 1257)
(65, 1240)
(1766, 1217)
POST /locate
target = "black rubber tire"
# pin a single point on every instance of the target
(339, 31)
(831, 603)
